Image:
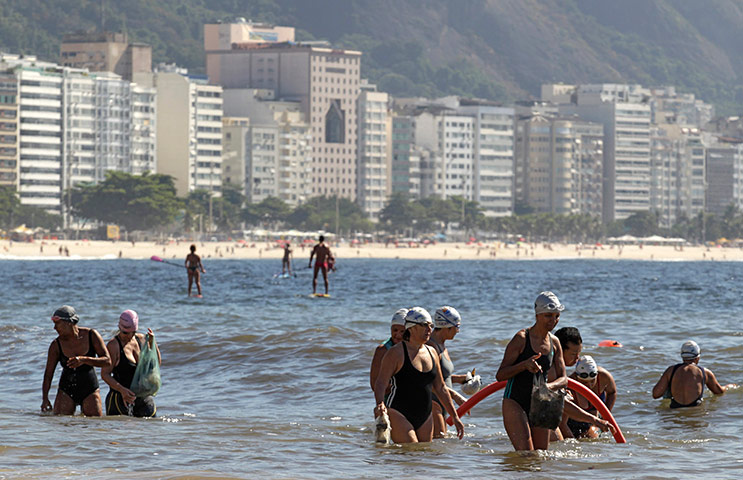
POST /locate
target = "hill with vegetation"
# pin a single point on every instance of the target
(496, 49)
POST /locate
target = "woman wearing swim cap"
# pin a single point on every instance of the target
(446, 322)
(414, 369)
(532, 351)
(124, 350)
(397, 328)
(601, 382)
(78, 350)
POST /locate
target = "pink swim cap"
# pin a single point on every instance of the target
(128, 321)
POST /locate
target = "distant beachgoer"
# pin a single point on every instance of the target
(78, 350)
(447, 322)
(286, 262)
(397, 328)
(684, 382)
(531, 352)
(414, 370)
(323, 257)
(124, 350)
(600, 382)
(193, 265)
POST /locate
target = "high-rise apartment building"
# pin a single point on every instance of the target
(105, 52)
(189, 129)
(324, 80)
(559, 164)
(625, 114)
(273, 149)
(724, 173)
(373, 151)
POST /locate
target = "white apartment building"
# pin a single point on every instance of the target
(274, 153)
(372, 164)
(325, 81)
(493, 157)
(559, 164)
(626, 150)
(188, 130)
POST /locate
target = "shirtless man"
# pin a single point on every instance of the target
(193, 265)
(322, 255)
(684, 382)
(286, 262)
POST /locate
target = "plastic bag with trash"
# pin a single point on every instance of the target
(146, 379)
(546, 405)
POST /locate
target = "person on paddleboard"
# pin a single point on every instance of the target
(323, 257)
(193, 265)
(286, 262)
(684, 382)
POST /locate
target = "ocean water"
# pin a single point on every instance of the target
(262, 381)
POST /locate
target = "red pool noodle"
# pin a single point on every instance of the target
(577, 386)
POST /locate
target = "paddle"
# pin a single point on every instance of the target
(155, 258)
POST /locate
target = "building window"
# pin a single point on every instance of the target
(334, 123)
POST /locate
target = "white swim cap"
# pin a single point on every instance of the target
(690, 350)
(446, 317)
(586, 367)
(547, 302)
(417, 316)
(399, 317)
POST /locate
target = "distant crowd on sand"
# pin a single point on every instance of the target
(412, 376)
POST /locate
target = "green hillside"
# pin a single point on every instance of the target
(497, 49)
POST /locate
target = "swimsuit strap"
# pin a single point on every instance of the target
(438, 346)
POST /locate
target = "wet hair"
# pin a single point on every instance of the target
(569, 335)
(193, 248)
(322, 238)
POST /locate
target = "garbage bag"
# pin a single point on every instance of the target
(546, 405)
(146, 381)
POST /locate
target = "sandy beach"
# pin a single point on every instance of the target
(84, 249)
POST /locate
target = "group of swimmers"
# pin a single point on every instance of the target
(79, 350)
(412, 377)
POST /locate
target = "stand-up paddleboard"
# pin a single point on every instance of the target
(320, 295)
(572, 384)
(284, 275)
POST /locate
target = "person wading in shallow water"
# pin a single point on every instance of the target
(193, 265)
(684, 382)
(323, 258)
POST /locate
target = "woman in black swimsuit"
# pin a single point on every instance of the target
(124, 350)
(532, 351)
(78, 350)
(193, 265)
(414, 369)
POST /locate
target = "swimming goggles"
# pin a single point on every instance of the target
(587, 375)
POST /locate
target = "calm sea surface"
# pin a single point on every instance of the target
(260, 380)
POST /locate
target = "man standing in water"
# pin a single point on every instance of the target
(286, 262)
(322, 255)
(684, 382)
(193, 265)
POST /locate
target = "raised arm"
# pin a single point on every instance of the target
(442, 393)
(52, 358)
